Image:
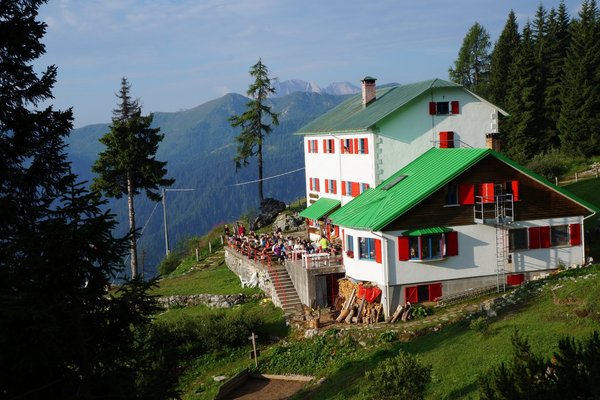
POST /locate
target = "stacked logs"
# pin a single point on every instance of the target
(355, 309)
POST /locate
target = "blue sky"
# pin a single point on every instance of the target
(178, 54)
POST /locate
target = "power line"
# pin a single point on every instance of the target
(265, 179)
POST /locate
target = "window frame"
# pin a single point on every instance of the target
(349, 246)
(555, 235)
(424, 244)
(370, 248)
(512, 242)
(363, 147)
(447, 194)
(445, 105)
(329, 146)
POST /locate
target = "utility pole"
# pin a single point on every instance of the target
(164, 203)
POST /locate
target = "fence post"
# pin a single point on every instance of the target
(210, 247)
(596, 172)
(576, 177)
(556, 180)
(221, 239)
(197, 255)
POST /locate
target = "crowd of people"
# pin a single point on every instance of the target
(274, 246)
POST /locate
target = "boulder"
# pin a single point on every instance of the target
(269, 209)
(288, 223)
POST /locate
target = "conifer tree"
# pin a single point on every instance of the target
(557, 44)
(503, 56)
(579, 121)
(62, 335)
(256, 122)
(128, 164)
(523, 125)
(471, 68)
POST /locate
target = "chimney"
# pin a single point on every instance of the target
(368, 90)
(492, 141)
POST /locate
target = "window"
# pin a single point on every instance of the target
(313, 146)
(330, 186)
(364, 187)
(427, 247)
(559, 235)
(444, 108)
(350, 246)
(451, 195)
(421, 293)
(363, 146)
(369, 249)
(328, 146)
(314, 184)
(517, 239)
(347, 146)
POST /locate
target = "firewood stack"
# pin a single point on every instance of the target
(358, 303)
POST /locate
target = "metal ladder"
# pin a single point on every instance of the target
(504, 208)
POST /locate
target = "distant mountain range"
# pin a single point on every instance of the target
(199, 147)
(296, 85)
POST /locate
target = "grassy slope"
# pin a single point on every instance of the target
(460, 355)
(589, 190)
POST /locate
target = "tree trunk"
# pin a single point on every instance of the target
(260, 172)
(132, 239)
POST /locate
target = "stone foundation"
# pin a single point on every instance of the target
(244, 268)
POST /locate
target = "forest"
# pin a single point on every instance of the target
(546, 75)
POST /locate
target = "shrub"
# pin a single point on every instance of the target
(400, 377)
(169, 263)
(479, 324)
(550, 165)
(421, 312)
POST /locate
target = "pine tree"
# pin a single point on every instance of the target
(503, 56)
(522, 127)
(472, 67)
(62, 335)
(557, 43)
(128, 164)
(579, 121)
(253, 122)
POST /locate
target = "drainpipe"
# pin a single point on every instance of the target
(583, 236)
(384, 264)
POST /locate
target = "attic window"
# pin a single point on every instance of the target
(393, 182)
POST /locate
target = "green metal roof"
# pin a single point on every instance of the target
(436, 230)
(376, 208)
(320, 208)
(352, 115)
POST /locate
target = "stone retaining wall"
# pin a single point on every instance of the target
(244, 268)
(209, 300)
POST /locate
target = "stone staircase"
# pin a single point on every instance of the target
(287, 296)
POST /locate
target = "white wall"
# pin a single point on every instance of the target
(406, 134)
(341, 167)
(362, 270)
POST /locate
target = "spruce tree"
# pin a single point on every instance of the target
(62, 334)
(557, 44)
(503, 56)
(523, 125)
(472, 67)
(128, 164)
(256, 122)
(579, 121)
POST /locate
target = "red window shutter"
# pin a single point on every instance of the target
(515, 190)
(343, 188)
(310, 183)
(342, 146)
(316, 146)
(332, 143)
(334, 187)
(515, 279)
(454, 107)
(378, 250)
(446, 139)
(366, 145)
(487, 192)
(545, 237)
(356, 148)
(452, 244)
(534, 237)
(350, 146)
(326, 185)
(466, 193)
(403, 248)
(355, 189)
(435, 291)
(575, 234)
(324, 145)
(411, 294)
(432, 108)
(318, 185)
